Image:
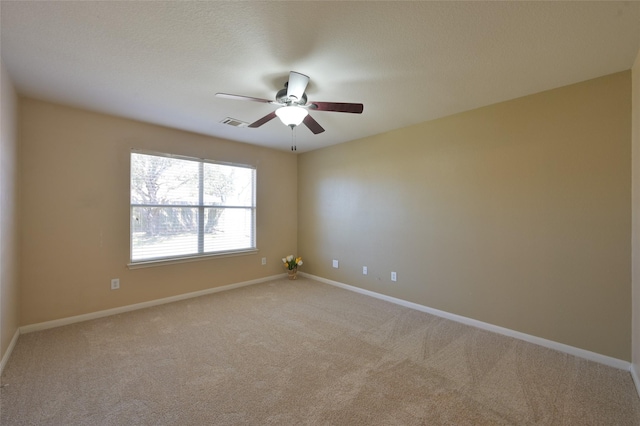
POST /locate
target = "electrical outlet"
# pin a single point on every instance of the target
(394, 277)
(264, 260)
(115, 283)
(335, 263)
(364, 270)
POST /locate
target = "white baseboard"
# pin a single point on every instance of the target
(571, 350)
(7, 354)
(108, 312)
(635, 377)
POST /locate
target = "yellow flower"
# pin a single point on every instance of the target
(292, 262)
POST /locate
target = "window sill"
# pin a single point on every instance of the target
(163, 262)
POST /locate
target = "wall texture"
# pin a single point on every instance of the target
(636, 215)
(9, 248)
(517, 214)
(75, 212)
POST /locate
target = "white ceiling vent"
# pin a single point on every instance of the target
(234, 122)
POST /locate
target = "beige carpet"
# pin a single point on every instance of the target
(295, 353)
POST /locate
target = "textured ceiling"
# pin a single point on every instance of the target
(407, 62)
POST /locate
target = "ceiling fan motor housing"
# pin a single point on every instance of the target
(282, 98)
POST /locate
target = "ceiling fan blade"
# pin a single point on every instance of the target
(243, 98)
(297, 85)
(313, 125)
(263, 120)
(337, 107)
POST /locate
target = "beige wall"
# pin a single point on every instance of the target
(636, 214)
(517, 214)
(9, 248)
(75, 212)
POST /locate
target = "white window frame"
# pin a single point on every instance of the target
(200, 206)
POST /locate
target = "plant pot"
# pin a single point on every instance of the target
(293, 273)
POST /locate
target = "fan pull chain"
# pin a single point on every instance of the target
(293, 140)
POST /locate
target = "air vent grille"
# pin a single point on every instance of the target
(234, 122)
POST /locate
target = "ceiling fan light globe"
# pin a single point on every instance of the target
(291, 115)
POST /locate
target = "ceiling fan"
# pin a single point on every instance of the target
(293, 106)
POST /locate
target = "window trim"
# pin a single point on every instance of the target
(201, 255)
(189, 258)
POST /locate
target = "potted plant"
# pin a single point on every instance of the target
(291, 264)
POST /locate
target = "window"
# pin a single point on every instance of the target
(185, 207)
